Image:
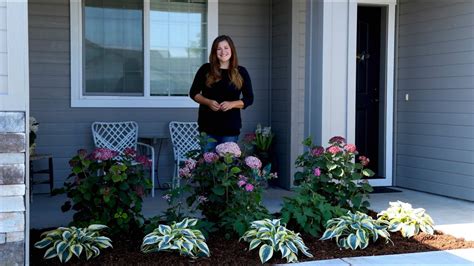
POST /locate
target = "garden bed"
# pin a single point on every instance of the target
(126, 250)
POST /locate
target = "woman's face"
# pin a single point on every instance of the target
(223, 52)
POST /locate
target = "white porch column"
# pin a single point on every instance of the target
(331, 79)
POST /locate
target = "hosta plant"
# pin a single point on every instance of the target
(275, 237)
(68, 241)
(402, 217)
(180, 237)
(354, 230)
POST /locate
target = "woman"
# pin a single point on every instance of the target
(218, 87)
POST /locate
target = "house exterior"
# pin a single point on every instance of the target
(63, 63)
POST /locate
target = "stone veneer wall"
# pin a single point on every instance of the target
(12, 188)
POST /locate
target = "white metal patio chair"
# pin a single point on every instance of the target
(118, 136)
(183, 138)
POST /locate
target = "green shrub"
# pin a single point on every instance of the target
(402, 217)
(275, 237)
(66, 242)
(355, 230)
(178, 236)
(106, 189)
(309, 210)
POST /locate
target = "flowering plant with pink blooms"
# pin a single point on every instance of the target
(106, 188)
(330, 182)
(230, 183)
(334, 173)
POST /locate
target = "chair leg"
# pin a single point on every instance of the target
(152, 173)
(51, 175)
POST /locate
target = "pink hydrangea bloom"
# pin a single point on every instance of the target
(249, 187)
(142, 159)
(317, 171)
(184, 172)
(334, 149)
(190, 164)
(337, 139)
(228, 148)
(241, 183)
(364, 160)
(201, 199)
(129, 152)
(350, 148)
(210, 157)
(242, 177)
(103, 154)
(253, 162)
(317, 151)
(249, 137)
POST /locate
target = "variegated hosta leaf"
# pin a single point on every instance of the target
(275, 237)
(96, 227)
(189, 242)
(76, 250)
(43, 243)
(265, 252)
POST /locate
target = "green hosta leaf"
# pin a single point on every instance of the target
(164, 229)
(65, 255)
(265, 252)
(96, 227)
(328, 234)
(352, 241)
(182, 224)
(76, 249)
(192, 222)
(254, 243)
(89, 253)
(203, 247)
(43, 243)
(50, 253)
(292, 247)
(60, 247)
(285, 251)
(331, 166)
(66, 235)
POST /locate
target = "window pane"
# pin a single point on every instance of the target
(113, 47)
(178, 43)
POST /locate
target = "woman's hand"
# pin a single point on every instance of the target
(214, 105)
(226, 106)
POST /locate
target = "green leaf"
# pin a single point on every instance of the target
(43, 243)
(254, 243)
(164, 229)
(50, 253)
(265, 252)
(218, 190)
(65, 256)
(151, 240)
(96, 227)
(76, 249)
(352, 241)
(235, 170)
(368, 172)
(60, 247)
(203, 247)
(292, 246)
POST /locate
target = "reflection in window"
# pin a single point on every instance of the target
(178, 44)
(113, 47)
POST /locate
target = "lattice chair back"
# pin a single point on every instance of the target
(183, 138)
(118, 136)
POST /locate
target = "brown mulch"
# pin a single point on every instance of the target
(126, 251)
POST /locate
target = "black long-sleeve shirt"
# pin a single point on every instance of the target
(218, 122)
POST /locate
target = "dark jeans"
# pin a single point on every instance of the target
(219, 139)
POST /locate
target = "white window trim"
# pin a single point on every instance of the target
(147, 101)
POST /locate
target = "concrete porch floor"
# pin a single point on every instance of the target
(452, 216)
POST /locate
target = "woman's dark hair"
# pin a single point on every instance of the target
(214, 74)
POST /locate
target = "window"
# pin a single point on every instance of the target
(135, 53)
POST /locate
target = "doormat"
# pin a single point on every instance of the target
(384, 190)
